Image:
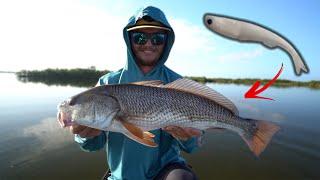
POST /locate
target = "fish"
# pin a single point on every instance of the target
(134, 109)
(247, 31)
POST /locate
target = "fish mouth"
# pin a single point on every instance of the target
(63, 119)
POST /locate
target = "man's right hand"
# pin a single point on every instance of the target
(84, 131)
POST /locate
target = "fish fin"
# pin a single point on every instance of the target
(146, 141)
(147, 134)
(135, 133)
(196, 88)
(261, 138)
(148, 83)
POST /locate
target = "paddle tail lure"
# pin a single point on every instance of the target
(246, 31)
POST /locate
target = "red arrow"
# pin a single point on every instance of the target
(254, 91)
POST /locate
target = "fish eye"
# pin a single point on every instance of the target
(209, 21)
(72, 101)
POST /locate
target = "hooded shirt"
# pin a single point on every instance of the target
(126, 158)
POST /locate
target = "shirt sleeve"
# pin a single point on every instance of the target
(91, 144)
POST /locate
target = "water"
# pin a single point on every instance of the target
(33, 146)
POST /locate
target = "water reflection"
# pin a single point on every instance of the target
(48, 134)
(254, 111)
(59, 82)
(36, 141)
(278, 117)
(33, 146)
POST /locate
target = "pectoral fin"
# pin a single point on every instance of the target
(135, 133)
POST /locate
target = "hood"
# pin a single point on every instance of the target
(131, 72)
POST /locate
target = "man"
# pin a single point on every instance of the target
(149, 38)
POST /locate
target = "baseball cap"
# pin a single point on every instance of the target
(142, 23)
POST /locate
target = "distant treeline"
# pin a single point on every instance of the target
(246, 81)
(73, 77)
(89, 77)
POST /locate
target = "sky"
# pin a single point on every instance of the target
(40, 34)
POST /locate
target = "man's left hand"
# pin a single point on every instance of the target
(182, 133)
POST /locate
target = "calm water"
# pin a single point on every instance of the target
(33, 146)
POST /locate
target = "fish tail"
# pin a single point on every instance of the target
(261, 136)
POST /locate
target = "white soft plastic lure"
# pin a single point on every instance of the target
(246, 31)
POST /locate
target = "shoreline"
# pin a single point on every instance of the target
(91, 76)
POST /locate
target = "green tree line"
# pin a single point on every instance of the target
(88, 78)
(246, 81)
(74, 77)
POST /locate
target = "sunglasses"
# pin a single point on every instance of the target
(141, 38)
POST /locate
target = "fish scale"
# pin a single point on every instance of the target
(150, 106)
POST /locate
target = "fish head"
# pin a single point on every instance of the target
(93, 108)
(209, 21)
(222, 25)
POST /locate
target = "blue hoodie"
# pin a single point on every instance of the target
(128, 159)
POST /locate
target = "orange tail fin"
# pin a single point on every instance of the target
(261, 137)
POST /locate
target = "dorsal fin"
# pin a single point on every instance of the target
(196, 88)
(148, 83)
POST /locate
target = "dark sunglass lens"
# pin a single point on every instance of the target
(139, 38)
(158, 39)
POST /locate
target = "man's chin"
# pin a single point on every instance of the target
(147, 62)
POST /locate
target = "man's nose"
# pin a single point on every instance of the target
(148, 43)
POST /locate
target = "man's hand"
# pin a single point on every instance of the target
(84, 131)
(182, 133)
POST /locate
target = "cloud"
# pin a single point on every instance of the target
(66, 34)
(190, 38)
(39, 34)
(240, 55)
(193, 46)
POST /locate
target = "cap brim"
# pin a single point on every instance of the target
(148, 26)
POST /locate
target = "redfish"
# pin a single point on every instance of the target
(136, 108)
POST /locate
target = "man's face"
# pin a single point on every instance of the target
(147, 54)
